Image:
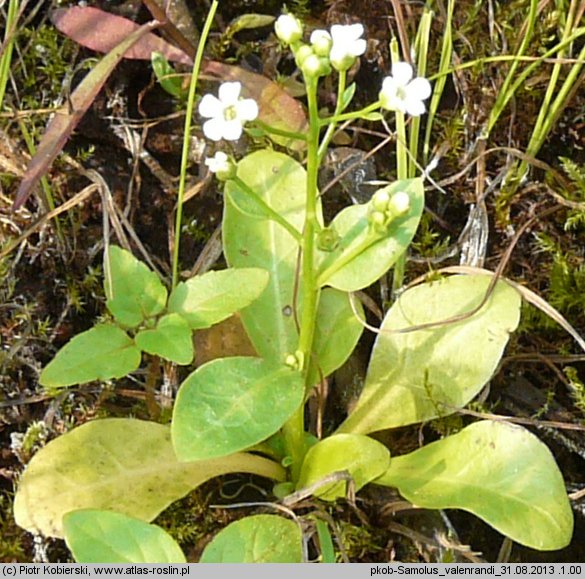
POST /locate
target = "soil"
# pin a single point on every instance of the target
(52, 278)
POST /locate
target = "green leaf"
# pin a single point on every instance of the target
(230, 404)
(420, 375)
(134, 292)
(256, 539)
(95, 536)
(208, 299)
(102, 353)
(115, 464)
(364, 458)
(499, 472)
(248, 21)
(167, 76)
(347, 96)
(170, 340)
(376, 255)
(374, 116)
(337, 332)
(252, 240)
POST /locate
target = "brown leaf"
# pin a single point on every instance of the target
(102, 31)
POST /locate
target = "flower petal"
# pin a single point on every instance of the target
(419, 88)
(213, 129)
(402, 73)
(229, 93)
(210, 106)
(247, 109)
(358, 47)
(232, 130)
(415, 107)
(317, 35)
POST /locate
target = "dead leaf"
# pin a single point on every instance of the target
(67, 117)
(102, 31)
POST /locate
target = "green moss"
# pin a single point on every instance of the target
(12, 538)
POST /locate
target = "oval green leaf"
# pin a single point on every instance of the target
(134, 291)
(252, 240)
(208, 299)
(257, 539)
(102, 353)
(95, 536)
(364, 458)
(171, 340)
(378, 256)
(499, 472)
(231, 404)
(115, 464)
(424, 374)
(337, 332)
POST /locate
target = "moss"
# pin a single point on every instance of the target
(13, 539)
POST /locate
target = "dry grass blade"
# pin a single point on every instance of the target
(66, 119)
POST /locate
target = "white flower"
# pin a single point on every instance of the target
(400, 92)
(228, 113)
(288, 28)
(347, 45)
(321, 41)
(220, 164)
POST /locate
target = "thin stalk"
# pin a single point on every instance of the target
(187, 140)
(294, 429)
(279, 132)
(267, 209)
(338, 108)
(506, 93)
(350, 116)
(550, 108)
(422, 49)
(446, 55)
(401, 171)
(6, 57)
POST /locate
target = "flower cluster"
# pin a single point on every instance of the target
(385, 208)
(228, 112)
(338, 49)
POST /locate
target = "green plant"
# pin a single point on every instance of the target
(438, 345)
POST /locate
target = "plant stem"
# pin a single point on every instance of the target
(350, 116)
(294, 429)
(269, 212)
(187, 139)
(338, 108)
(280, 132)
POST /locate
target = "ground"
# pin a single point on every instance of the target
(52, 275)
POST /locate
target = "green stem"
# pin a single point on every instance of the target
(269, 212)
(280, 132)
(401, 172)
(187, 139)
(350, 116)
(294, 429)
(338, 108)
(6, 57)
(349, 255)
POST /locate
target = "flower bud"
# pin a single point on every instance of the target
(314, 65)
(288, 28)
(399, 204)
(380, 200)
(302, 53)
(322, 42)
